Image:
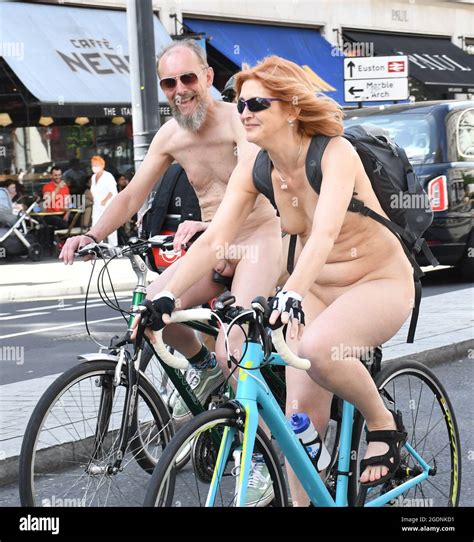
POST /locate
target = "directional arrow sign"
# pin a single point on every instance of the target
(376, 67)
(376, 90)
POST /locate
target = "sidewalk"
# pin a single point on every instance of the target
(41, 280)
(445, 332)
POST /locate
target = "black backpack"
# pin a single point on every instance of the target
(395, 184)
(174, 202)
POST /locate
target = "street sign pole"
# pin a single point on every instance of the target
(145, 108)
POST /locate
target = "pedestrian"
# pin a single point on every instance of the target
(56, 199)
(103, 189)
(122, 182)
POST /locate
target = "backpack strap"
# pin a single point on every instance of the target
(358, 206)
(290, 263)
(416, 245)
(262, 177)
(313, 161)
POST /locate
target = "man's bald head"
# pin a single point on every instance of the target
(178, 45)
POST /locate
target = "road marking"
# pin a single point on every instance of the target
(16, 316)
(4, 313)
(82, 307)
(58, 327)
(43, 308)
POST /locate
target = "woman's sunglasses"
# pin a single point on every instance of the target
(188, 79)
(255, 105)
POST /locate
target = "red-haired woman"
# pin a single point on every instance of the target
(103, 189)
(351, 280)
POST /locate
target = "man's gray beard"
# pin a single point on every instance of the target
(190, 122)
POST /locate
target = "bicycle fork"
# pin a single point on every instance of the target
(108, 385)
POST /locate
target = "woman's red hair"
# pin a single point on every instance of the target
(316, 114)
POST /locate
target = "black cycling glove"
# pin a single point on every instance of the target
(163, 303)
(289, 302)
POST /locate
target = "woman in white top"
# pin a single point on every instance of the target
(104, 189)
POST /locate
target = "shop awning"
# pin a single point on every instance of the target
(69, 57)
(433, 61)
(249, 43)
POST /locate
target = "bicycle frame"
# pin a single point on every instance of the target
(256, 399)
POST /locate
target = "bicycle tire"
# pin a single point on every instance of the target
(157, 494)
(448, 458)
(59, 443)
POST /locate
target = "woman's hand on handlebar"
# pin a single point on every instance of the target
(158, 314)
(71, 246)
(286, 308)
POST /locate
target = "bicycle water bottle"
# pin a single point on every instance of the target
(308, 436)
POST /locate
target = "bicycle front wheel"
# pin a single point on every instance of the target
(190, 485)
(71, 441)
(432, 430)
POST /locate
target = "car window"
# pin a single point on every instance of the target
(465, 134)
(415, 133)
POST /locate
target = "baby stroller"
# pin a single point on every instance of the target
(21, 237)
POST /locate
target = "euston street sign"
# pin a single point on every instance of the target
(376, 67)
(376, 90)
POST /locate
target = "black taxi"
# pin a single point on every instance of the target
(438, 138)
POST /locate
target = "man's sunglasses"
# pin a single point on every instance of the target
(187, 79)
(255, 105)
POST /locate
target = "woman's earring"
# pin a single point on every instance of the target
(291, 122)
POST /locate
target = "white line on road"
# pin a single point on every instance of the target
(82, 307)
(57, 327)
(16, 316)
(44, 308)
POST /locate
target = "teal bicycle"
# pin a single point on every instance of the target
(234, 462)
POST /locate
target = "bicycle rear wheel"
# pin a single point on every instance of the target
(432, 431)
(71, 441)
(190, 487)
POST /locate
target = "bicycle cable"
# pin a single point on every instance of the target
(103, 294)
(85, 306)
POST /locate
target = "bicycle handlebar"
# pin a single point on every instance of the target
(135, 246)
(206, 314)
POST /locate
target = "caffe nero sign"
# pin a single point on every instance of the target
(98, 56)
(73, 55)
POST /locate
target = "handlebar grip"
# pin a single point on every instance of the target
(179, 316)
(287, 355)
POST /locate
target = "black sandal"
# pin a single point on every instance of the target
(395, 440)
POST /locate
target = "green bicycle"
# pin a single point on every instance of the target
(98, 431)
